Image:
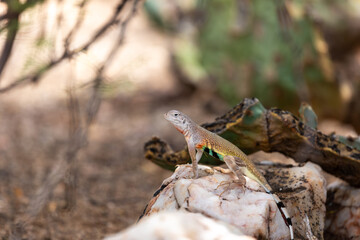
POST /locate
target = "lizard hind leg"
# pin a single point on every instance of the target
(234, 167)
(241, 181)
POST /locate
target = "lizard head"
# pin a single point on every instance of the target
(179, 120)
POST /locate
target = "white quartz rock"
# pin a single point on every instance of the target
(179, 225)
(248, 208)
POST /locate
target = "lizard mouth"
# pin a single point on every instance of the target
(166, 116)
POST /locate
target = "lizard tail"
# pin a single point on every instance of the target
(283, 212)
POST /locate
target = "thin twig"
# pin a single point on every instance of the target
(67, 54)
(121, 37)
(78, 24)
(74, 125)
(77, 140)
(12, 30)
(14, 9)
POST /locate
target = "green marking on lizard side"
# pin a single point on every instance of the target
(213, 153)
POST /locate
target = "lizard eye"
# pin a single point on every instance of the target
(176, 114)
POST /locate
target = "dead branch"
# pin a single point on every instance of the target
(12, 30)
(78, 134)
(74, 124)
(68, 54)
(79, 21)
(14, 9)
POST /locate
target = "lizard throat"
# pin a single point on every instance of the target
(185, 132)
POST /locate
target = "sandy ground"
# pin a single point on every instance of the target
(113, 180)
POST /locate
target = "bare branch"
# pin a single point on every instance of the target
(121, 35)
(79, 21)
(14, 10)
(77, 140)
(74, 125)
(12, 30)
(67, 54)
(8, 15)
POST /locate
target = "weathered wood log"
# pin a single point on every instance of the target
(251, 127)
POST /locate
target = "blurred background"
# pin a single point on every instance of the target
(84, 84)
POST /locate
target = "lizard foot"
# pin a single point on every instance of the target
(227, 185)
(222, 170)
(202, 171)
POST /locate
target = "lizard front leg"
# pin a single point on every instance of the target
(199, 153)
(195, 155)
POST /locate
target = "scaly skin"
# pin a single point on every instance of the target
(199, 140)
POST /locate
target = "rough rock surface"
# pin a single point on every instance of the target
(179, 225)
(303, 190)
(343, 211)
(251, 210)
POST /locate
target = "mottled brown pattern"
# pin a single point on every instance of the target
(293, 138)
(161, 153)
